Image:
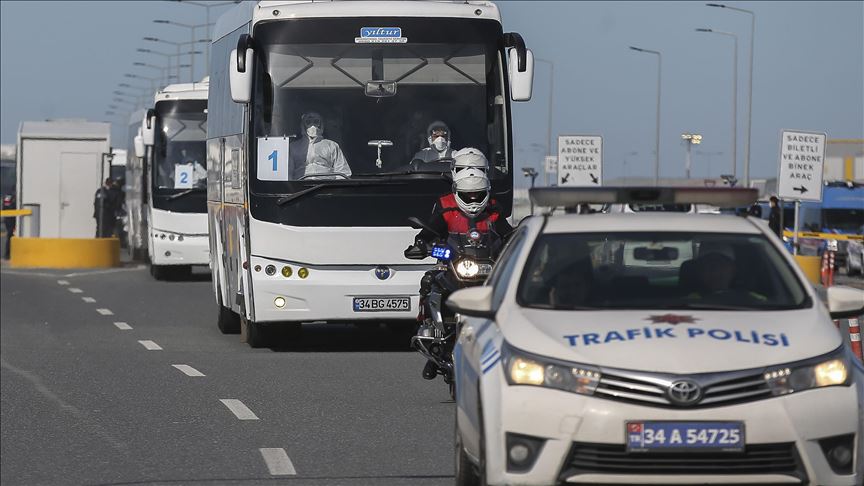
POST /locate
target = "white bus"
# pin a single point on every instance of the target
(174, 180)
(291, 241)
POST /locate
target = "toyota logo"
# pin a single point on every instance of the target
(684, 392)
(382, 272)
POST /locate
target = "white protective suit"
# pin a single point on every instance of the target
(316, 155)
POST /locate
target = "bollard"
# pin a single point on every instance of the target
(823, 270)
(30, 224)
(855, 338)
(830, 268)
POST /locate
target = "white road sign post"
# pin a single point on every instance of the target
(802, 155)
(580, 160)
(551, 163)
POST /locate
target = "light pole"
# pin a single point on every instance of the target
(207, 6)
(169, 57)
(177, 45)
(530, 172)
(690, 139)
(749, 88)
(549, 119)
(734, 95)
(192, 40)
(657, 134)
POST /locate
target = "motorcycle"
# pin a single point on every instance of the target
(464, 260)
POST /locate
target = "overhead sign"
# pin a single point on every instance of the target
(580, 160)
(551, 164)
(802, 155)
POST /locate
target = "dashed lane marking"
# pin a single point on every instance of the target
(105, 312)
(238, 409)
(75, 290)
(123, 326)
(277, 461)
(89, 300)
(188, 370)
(150, 345)
(63, 282)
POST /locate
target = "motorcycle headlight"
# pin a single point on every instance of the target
(521, 368)
(467, 268)
(829, 370)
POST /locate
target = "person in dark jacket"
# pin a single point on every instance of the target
(105, 209)
(774, 216)
(9, 222)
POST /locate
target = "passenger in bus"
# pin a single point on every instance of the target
(438, 136)
(313, 155)
(199, 173)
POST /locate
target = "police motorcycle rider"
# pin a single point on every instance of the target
(467, 217)
(438, 136)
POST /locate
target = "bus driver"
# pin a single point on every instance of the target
(312, 154)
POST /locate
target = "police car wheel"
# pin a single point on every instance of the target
(466, 475)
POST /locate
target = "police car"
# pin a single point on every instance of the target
(580, 361)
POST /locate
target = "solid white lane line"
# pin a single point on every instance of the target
(277, 461)
(150, 345)
(123, 326)
(63, 282)
(89, 300)
(190, 371)
(237, 408)
(105, 312)
(75, 290)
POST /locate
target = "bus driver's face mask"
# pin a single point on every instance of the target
(439, 140)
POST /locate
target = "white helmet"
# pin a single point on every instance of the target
(471, 188)
(469, 158)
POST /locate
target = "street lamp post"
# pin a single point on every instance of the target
(530, 172)
(192, 41)
(207, 6)
(690, 139)
(734, 95)
(177, 45)
(749, 88)
(549, 119)
(657, 134)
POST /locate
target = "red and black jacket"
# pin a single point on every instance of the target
(447, 218)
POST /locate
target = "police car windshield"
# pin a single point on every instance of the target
(439, 70)
(658, 271)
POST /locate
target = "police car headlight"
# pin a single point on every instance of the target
(830, 370)
(467, 268)
(524, 369)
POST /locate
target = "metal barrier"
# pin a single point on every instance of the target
(32, 211)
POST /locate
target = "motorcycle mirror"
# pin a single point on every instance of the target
(416, 223)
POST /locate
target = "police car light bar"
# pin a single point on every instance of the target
(569, 197)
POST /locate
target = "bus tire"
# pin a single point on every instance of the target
(228, 321)
(182, 272)
(252, 333)
(159, 272)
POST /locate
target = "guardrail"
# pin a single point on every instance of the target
(32, 212)
(823, 236)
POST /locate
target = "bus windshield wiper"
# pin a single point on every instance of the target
(357, 183)
(181, 194)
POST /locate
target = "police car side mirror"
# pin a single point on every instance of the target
(521, 82)
(473, 301)
(845, 302)
(240, 75)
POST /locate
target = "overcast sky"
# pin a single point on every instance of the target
(64, 59)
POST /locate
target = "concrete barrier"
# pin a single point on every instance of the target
(65, 252)
(812, 267)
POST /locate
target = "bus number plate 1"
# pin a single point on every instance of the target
(381, 304)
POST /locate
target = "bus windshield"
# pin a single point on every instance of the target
(373, 102)
(180, 147)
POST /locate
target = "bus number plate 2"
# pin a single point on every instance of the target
(381, 304)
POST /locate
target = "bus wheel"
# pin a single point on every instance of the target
(183, 272)
(252, 333)
(159, 272)
(229, 322)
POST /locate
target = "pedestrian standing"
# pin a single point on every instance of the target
(9, 222)
(105, 209)
(774, 216)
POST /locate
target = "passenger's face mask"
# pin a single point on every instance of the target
(440, 144)
(312, 131)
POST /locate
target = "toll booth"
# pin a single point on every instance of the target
(59, 167)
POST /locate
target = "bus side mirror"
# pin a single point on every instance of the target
(139, 146)
(521, 82)
(148, 127)
(240, 76)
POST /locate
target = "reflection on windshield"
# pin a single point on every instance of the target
(658, 271)
(181, 131)
(355, 134)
